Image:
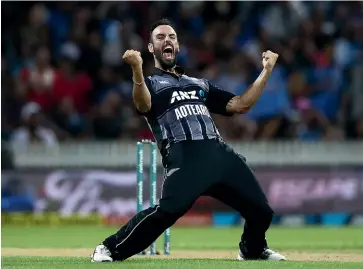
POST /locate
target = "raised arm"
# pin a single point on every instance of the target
(140, 93)
(242, 104)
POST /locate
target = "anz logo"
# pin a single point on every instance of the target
(179, 95)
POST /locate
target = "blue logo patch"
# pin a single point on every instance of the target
(201, 94)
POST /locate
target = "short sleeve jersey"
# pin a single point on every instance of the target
(181, 107)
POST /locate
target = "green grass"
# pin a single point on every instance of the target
(185, 238)
(307, 239)
(82, 263)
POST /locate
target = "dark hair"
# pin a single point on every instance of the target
(163, 21)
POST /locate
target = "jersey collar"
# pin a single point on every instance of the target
(160, 72)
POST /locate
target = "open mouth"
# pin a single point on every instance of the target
(168, 53)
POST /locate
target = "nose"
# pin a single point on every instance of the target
(167, 38)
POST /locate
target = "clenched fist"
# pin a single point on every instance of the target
(133, 58)
(269, 59)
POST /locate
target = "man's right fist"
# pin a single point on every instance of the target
(133, 58)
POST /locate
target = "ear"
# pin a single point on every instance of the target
(150, 46)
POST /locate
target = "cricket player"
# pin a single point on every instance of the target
(197, 160)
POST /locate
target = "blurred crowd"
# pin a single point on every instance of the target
(63, 77)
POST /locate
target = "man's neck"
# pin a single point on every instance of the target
(170, 70)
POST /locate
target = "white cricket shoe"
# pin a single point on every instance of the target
(267, 254)
(101, 254)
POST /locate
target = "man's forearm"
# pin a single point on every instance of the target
(241, 104)
(141, 94)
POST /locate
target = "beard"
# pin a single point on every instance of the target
(166, 63)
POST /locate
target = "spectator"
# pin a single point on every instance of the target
(91, 59)
(130, 38)
(106, 83)
(39, 79)
(33, 129)
(273, 107)
(36, 32)
(313, 125)
(326, 83)
(60, 19)
(72, 84)
(68, 119)
(312, 94)
(108, 123)
(111, 31)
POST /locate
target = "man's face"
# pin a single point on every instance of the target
(164, 46)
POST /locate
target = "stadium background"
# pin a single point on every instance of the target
(62, 76)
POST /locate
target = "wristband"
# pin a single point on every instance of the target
(138, 84)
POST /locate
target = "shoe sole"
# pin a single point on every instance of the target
(240, 258)
(92, 260)
(100, 261)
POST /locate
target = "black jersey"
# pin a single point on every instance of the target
(181, 107)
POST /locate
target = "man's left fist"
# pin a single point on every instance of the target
(269, 59)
